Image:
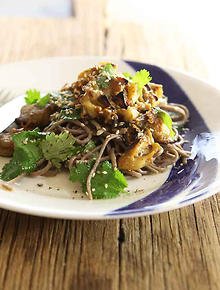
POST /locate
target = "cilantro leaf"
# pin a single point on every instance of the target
(128, 76)
(165, 117)
(80, 173)
(58, 148)
(89, 146)
(84, 149)
(108, 68)
(32, 96)
(107, 73)
(11, 170)
(141, 78)
(107, 182)
(26, 154)
(43, 101)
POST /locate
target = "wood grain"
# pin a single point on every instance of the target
(177, 250)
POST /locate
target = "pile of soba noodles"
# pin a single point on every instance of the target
(127, 117)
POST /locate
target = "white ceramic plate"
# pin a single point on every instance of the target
(180, 186)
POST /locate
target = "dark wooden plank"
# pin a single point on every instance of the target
(40, 253)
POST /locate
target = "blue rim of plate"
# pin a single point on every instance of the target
(200, 170)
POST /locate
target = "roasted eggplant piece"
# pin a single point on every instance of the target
(33, 116)
(141, 154)
(6, 145)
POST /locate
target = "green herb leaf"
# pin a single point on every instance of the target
(26, 154)
(107, 182)
(85, 149)
(11, 170)
(32, 96)
(106, 74)
(108, 68)
(43, 101)
(128, 76)
(80, 172)
(58, 148)
(141, 78)
(69, 114)
(165, 117)
(89, 146)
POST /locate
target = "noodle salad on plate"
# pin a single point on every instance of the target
(100, 129)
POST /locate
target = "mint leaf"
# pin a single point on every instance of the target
(58, 148)
(107, 182)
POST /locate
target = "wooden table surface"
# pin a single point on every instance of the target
(175, 250)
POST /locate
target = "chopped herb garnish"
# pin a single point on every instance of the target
(69, 114)
(58, 148)
(43, 101)
(141, 78)
(107, 182)
(84, 149)
(34, 97)
(107, 73)
(26, 154)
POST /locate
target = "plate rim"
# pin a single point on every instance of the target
(167, 206)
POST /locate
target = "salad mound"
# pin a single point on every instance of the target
(102, 127)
